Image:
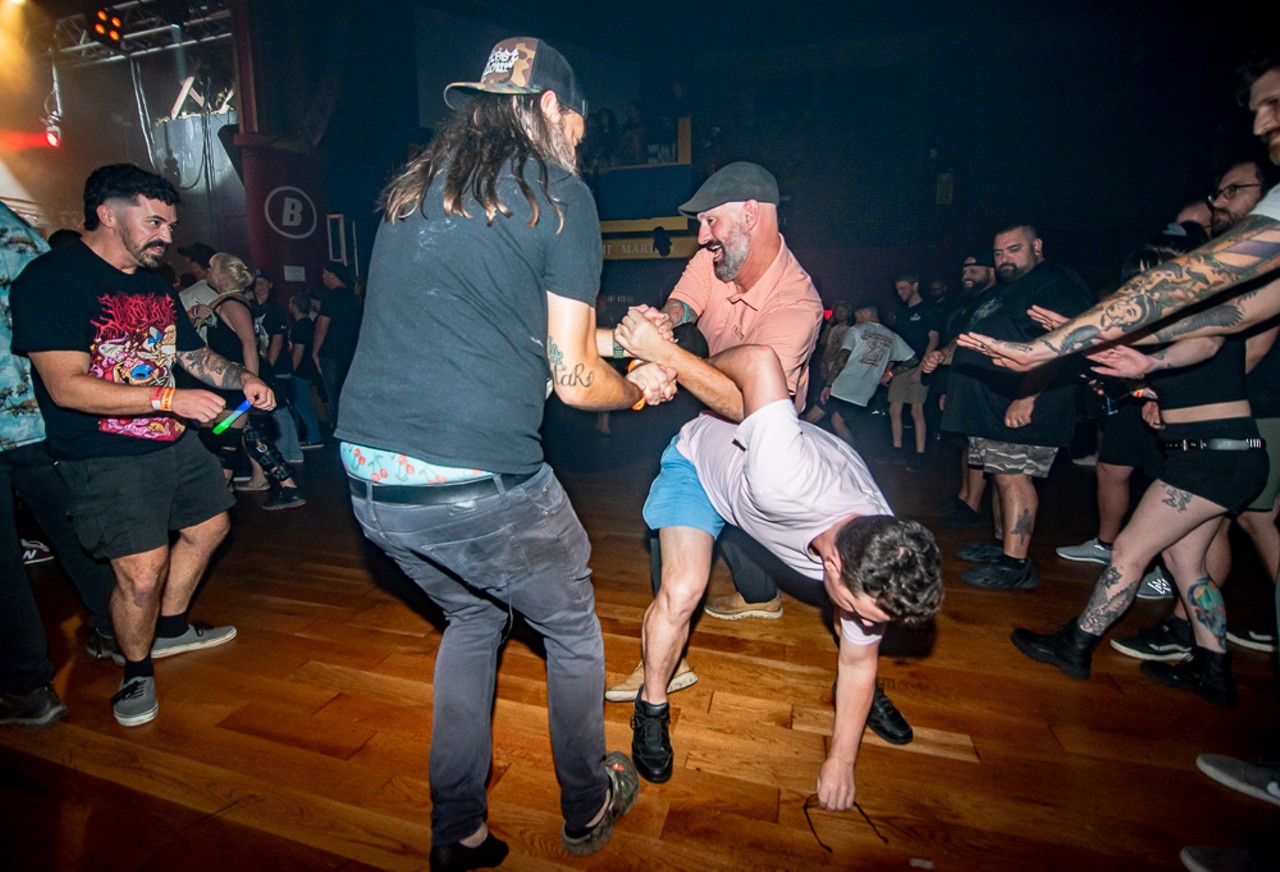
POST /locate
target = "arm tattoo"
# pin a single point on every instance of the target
(1176, 498)
(1208, 610)
(1111, 596)
(679, 312)
(1248, 250)
(212, 368)
(1227, 315)
(561, 373)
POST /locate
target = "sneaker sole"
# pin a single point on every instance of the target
(1147, 654)
(1144, 595)
(48, 718)
(160, 653)
(1251, 644)
(294, 505)
(1078, 559)
(1226, 779)
(139, 719)
(677, 682)
(748, 613)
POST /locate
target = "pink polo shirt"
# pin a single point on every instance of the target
(782, 310)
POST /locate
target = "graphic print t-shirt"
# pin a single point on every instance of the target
(131, 325)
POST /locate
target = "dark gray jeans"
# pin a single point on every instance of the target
(523, 549)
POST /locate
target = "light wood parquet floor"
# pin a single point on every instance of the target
(302, 744)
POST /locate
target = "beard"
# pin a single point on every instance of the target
(734, 255)
(1222, 221)
(148, 254)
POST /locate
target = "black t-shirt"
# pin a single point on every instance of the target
(1220, 379)
(131, 326)
(914, 323)
(452, 363)
(1264, 381)
(979, 392)
(342, 308)
(302, 333)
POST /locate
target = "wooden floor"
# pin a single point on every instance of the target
(303, 743)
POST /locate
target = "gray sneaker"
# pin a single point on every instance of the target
(1086, 552)
(1260, 782)
(39, 708)
(196, 637)
(103, 647)
(1155, 585)
(135, 702)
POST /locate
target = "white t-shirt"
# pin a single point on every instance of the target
(1269, 207)
(784, 482)
(871, 346)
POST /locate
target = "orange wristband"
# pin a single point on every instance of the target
(640, 404)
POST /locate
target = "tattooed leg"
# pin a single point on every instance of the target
(1208, 614)
(1018, 504)
(1176, 498)
(1111, 597)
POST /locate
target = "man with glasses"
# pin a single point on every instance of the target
(1238, 191)
(809, 500)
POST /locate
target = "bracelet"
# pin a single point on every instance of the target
(157, 395)
(166, 400)
(618, 350)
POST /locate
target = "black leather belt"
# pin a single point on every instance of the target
(436, 494)
(1213, 444)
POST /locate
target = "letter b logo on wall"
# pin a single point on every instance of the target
(290, 212)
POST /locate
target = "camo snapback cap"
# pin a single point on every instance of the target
(522, 65)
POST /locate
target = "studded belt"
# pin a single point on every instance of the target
(436, 494)
(1213, 444)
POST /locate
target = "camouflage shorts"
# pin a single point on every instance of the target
(1010, 457)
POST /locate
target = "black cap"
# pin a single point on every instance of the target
(199, 253)
(339, 269)
(523, 65)
(733, 183)
(982, 258)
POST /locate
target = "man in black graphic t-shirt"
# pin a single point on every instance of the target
(105, 335)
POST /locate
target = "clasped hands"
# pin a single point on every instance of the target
(646, 334)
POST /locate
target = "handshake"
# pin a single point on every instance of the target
(648, 335)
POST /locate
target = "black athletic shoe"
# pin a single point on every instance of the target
(1206, 673)
(887, 722)
(650, 741)
(457, 857)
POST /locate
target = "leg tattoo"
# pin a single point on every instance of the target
(1208, 609)
(1175, 498)
(1023, 526)
(1111, 596)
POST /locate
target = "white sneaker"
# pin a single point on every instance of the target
(1155, 585)
(1087, 552)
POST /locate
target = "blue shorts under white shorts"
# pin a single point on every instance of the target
(677, 499)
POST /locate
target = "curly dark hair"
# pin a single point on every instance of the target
(489, 133)
(123, 181)
(894, 560)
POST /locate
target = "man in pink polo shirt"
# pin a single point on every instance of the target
(745, 287)
(809, 500)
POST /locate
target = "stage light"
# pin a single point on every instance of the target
(53, 135)
(106, 28)
(18, 2)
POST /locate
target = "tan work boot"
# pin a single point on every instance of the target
(628, 688)
(735, 608)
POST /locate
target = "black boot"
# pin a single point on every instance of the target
(1205, 672)
(650, 742)
(1069, 648)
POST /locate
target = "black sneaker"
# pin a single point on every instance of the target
(39, 708)
(1168, 640)
(287, 498)
(1003, 576)
(624, 787)
(1257, 640)
(887, 722)
(457, 857)
(650, 741)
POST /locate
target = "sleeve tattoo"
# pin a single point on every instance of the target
(212, 369)
(679, 312)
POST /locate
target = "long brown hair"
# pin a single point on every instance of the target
(490, 132)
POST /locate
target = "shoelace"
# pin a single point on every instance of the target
(133, 689)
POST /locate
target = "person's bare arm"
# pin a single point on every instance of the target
(1258, 346)
(322, 330)
(66, 376)
(855, 686)
(642, 338)
(214, 369)
(1247, 251)
(579, 375)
